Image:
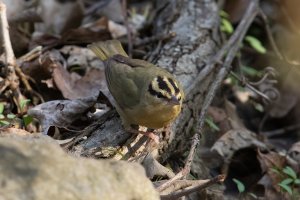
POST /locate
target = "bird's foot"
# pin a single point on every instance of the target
(145, 131)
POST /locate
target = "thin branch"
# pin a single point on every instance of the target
(33, 54)
(269, 33)
(12, 79)
(10, 58)
(231, 48)
(251, 87)
(170, 182)
(191, 189)
(280, 131)
(189, 161)
(129, 36)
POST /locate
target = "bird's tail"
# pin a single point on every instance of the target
(105, 50)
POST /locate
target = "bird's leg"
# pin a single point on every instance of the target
(143, 130)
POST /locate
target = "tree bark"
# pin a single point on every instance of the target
(186, 56)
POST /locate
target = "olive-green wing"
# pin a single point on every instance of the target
(125, 82)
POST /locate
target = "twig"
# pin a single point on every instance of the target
(10, 58)
(250, 87)
(231, 48)
(129, 36)
(281, 130)
(170, 182)
(12, 79)
(269, 33)
(189, 161)
(33, 54)
(235, 40)
(191, 189)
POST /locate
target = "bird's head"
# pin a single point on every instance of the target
(165, 89)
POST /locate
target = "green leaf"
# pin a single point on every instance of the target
(1, 108)
(250, 71)
(4, 122)
(27, 119)
(226, 26)
(211, 124)
(11, 116)
(240, 185)
(287, 181)
(289, 171)
(224, 14)
(286, 188)
(24, 102)
(255, 44)
(276, 171)
(2, 116)
(297, 181)
(259, 107)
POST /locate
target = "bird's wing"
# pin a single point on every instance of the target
(125, 81)
(134, 63)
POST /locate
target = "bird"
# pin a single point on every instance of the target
(147, 96)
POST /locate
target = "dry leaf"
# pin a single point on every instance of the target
(271, 163)
(234, 140)
(116, 30)
(61, 113)
(72, 85)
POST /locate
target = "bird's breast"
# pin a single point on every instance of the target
(152, 116)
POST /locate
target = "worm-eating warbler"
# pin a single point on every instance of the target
(145, 94)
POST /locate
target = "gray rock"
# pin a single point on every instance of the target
(35, 167)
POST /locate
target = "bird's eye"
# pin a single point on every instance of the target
(154, 92)
(174, 85)
(164, 88)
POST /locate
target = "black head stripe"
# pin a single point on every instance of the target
(163, 85)
(155, 93)
(174, 86)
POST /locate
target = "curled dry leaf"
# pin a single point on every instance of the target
(234, 140)
(72, 85)
(270, 164)
(61, 113)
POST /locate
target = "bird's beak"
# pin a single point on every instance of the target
(174, 101)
